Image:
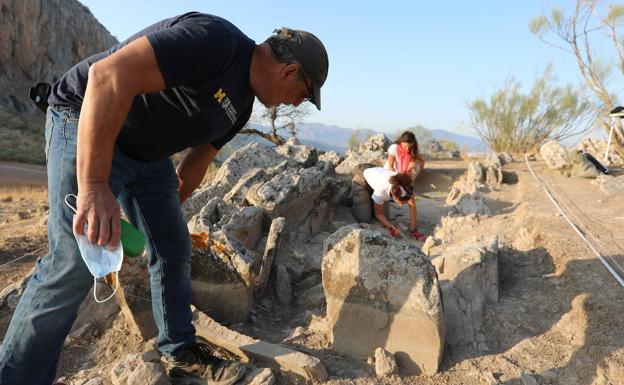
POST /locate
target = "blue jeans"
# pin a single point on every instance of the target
(147, 192)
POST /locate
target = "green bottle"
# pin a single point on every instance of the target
(132, 240)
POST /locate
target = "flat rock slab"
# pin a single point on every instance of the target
(261, 352)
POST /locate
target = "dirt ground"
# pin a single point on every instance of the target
(559, 317)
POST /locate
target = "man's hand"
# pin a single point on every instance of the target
(394, 231)
(97, 206)
(192, 168)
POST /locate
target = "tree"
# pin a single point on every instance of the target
(358, 136)
(449, 145)
(516, 122)
(580, 34)
(279, 117)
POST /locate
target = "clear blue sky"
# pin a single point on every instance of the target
(393, 64)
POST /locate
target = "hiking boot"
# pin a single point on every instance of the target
(198, 366)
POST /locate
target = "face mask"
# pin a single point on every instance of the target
(99, 260)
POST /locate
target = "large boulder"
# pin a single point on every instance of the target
(382, 292)
(291, 194)
(568, 163)
(554, 155)
(468, 274)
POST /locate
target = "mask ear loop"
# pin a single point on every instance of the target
(115, 278)
(69, 204)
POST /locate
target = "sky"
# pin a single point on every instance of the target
(392, 64)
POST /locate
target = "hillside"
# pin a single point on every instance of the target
(39, 41)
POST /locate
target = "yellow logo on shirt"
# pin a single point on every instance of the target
(225, 102)
(220, 95)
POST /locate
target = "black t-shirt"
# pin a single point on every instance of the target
(205, 61)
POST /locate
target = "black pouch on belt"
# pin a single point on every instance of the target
(39, 95)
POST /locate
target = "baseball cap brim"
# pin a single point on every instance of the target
(316, 95)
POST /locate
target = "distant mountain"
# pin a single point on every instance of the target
(475, 144)
(338, 137)
(333, 138)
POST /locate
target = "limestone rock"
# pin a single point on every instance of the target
(469, 280)
(554, 155)
(468, 204)
(226, 270)
(373, 150)
(283, 286)
(385, 363)
(471, 182)
(382, 292)
(304, 155)
(94, 381)
(290, 194)
(527, 379)
(258, 376)
(581, 165)
(270, 250)
(148, 373)
(505, 158)
(253, 155)
(568, 163)
(10, 295)
(236, 195)
(245, 224)
(331, 157)
(123, 368)
(597, 148)
(430, 242)
(493, 171)
(313, 297)
(272, 355)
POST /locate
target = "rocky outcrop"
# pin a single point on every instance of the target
(382, 293)
(39, 41)
(597, 148)
(571, 163)
(478, 177)
(373, 150)
(259, 196)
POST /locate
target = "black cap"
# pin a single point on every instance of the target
(311, 55)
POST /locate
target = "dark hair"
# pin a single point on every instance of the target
(279, 43)
(409, 137)
(401, 180)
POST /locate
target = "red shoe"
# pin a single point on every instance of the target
(394, 232)
(417, 235)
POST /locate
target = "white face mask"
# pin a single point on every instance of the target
(99, 260)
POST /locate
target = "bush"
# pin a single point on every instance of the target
(516, 122)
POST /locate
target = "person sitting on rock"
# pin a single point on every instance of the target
(380, 185)
(404, 157)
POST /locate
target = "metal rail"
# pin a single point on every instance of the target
(579, 232)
